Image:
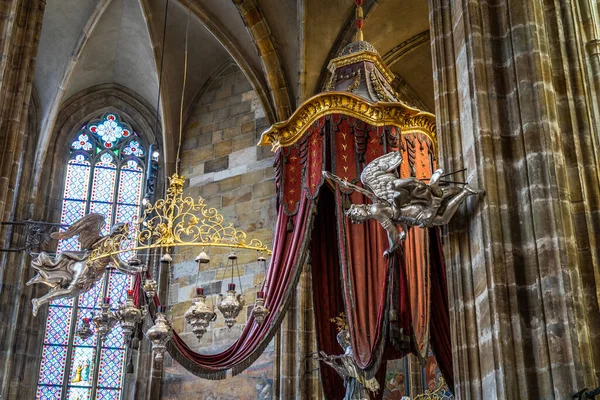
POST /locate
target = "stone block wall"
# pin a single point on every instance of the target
(221, 163)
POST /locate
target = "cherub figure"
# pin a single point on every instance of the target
(72, 273)
(402, 201)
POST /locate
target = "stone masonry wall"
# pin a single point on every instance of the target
(222, 164)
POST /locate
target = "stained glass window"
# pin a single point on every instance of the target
(104, 175)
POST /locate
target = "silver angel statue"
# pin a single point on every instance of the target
(72, 273)
(402, 201)
(356, 383)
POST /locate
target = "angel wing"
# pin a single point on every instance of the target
(378, 174)
(336, 179)
(88, 228)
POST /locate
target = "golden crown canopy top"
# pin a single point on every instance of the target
(360, 87)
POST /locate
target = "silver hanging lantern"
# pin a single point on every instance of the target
(129, 315)
(230, 305)
(104, 320)
(200, 315)
(259, 311)
(150, 287)
(160, 334)
(85, 330)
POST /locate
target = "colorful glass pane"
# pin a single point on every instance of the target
(130, 186)
(48, 392)
(82, 366)
(63, 302)
(114, 339)
(79, 393)
(117, 288)
(58, 325)
(82, 143)
(111, 368)
(108, 394)
(78, 173)
(53, 366)
(83, 195)
(91, 298)
(104, 181)
(133, 148)
(110, 131)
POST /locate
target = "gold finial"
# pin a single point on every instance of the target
(341, 322)
(359, 20)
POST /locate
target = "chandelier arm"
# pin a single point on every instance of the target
(260, 247)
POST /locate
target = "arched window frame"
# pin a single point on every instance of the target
(96, 154)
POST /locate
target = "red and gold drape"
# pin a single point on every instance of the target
(386, 300)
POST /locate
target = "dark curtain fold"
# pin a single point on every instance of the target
(327, 290)
(440, 315)
(365, 274)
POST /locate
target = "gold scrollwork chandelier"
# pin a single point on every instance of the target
(177, 221)
(172, 222)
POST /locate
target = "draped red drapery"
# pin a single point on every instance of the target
(373, 291)
(365, 274)
(327, 289)
(440, 317)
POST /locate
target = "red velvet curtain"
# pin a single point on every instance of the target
(289, 249)
(327, 290)
(365, 275)
(440, 315)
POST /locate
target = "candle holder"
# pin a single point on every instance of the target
(160, 334)
(129, 315)
(200, 315)
(259, 311)
(104, 319)
(85, 331)
(230, 305)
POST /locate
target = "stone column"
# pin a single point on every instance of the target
(20, 337)
(20, 27)
(296, 376)
(513, 108)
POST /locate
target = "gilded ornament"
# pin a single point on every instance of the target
(177, 221)
(408, 119)
(150, 287)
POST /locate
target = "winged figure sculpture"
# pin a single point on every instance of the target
(402, 201)
(72, 273)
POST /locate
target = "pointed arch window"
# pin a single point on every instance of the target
(104, 175)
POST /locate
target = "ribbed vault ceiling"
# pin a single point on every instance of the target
(85, 43)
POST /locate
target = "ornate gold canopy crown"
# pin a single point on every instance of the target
(177, 221)
(340, 321)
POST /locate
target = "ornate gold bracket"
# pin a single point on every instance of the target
(178, 221)
(408, 119)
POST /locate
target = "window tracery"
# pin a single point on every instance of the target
(104, 175)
